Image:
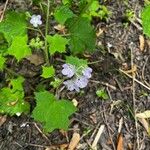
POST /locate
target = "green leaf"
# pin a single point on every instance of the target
(146, 20)
(19, 47)
(12, 99)
(92, 10)
(2, 62)
(75, 61)
(79, 64)
(63, 13)
(66, 1)
(13, 25)
(48, 72)
(17, 84)
(101, 93)
(51, 112)
(83, 36)
(56, 83)
(57, 43)
(3, 44)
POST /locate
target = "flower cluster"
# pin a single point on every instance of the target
(79, 80)
(36, 20)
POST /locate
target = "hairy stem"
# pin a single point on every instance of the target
(11, 72)
(46, 32)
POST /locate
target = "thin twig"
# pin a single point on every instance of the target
(133, 97)
(136, 25)
(41, 132)
(38, 30)
(104, 83)
(119, 85)
(135, 79)
(109, 94)
(36, 145)
(94, 132)
(143, 71)
(5, 6)
(97, 137)
(108, 129)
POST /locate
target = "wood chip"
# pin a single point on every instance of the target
(120, 142)
(142, 43)
(120, 138)
(75, 102)
(74, 141)
(2, 120)
(97, 137)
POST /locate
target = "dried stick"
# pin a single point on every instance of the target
(139, 82)
(5, 6)
(133, 97)
(97, 137)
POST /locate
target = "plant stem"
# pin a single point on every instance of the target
(11, 71)
(46, 32)
(38, 30)
(94, 62)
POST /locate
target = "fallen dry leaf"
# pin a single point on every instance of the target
(145, 114)
(36, 59)
(60, 28)
(2, 120)
(145, 125)
(142, 42)
(120, 142)
(74, 141)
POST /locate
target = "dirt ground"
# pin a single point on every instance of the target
(119, 47)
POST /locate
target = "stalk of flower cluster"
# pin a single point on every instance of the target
(46, 32)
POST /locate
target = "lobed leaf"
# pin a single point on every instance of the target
(13, 25)
(51, 112)
(75, 61)
(146, 20)
(12, 99)
(48, 72)
(57, 43)
(2, 62)
(82, 36)
(63, 13)
(19, 47)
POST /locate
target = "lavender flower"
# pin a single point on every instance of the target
(36, 20)
(71, 85)
(81, 82)
(80, 77)
(87, 72)
(68, 70)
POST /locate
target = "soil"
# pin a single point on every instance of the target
(118, 47)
